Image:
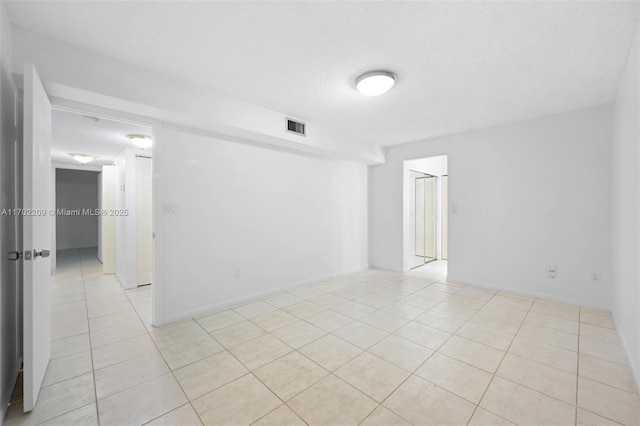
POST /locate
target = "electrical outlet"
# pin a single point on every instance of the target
(236, 274)
(551, 271)
(595, 277)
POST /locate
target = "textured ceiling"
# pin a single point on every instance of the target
(80, 134)
(460, 65)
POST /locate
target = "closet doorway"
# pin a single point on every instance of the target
(425, 203)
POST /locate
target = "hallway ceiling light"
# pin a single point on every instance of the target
(141, 141)
(375, 83)
(83, 158)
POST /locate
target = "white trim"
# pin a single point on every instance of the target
(537, 295)
(210, 309)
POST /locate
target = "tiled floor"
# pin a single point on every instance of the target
(437, 268)
(373, 348)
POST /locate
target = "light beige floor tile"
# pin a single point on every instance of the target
(502, 324)
(423, 335)
(454, 310)
(557, 309)
(142, 403)
(182, 416)
(69, 307)
(606, 401)
(254, 309)
(354, 310)
(108, 298)
(473, 353)
(329, 320)
(306, 292)
(608, 351)
(551, 336)
(220, 320)
(332, 401)
(113, 308)
(281, 416)
(525, 406)
(489, 336)
(440, 321)
(383, 417)
(455, 376)
(83, 416)
(69, 329)
(70, 345)
(330, 352)
(607, 372)
(299, 334)
(274, 320)
(372, 301)
(595, 332)
(539, 377)
(599, 320)
(283, 300)
(446, 287)
(208, 374)
(290, 375)
(114, 353)
(502, 310)
(67, 317)
(360, 334)
(181, 332)
(384, 321)
(417, 400)
(483, 417)
(401, 352)
(541, 320)
(544, 353)
(586, 418)
(68, 367)
(185, 353)
(404, 310)
(373, 376)
(476, 293)
(129, 373)
(120, 332)
(304, 309)
(328, 300)
(260, 351)
(240, 402)
(238, 334)
(112, 320)
(55, 400)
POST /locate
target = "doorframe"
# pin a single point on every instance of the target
(406, 209)
(76, 101)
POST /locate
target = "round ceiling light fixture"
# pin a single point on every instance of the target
(83, 158)
(375, 83)
(141, 141)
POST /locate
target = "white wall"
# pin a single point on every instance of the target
(527, 194)
(76, 189)
(279, 218)
(625, 205)
(108, 222)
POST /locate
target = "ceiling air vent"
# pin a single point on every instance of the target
(296, 127)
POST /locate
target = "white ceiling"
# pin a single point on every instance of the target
(80, 134)
(460, 65)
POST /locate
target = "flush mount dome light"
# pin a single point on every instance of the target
(83, 158)
(141, 141)
(375, 83)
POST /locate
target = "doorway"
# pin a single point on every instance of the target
(426, 237)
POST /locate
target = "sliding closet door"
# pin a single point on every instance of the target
(420, 212)
(430, 194)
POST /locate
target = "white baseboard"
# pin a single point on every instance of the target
(209, 309)
(529, 293)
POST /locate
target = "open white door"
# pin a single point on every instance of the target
(36, 234)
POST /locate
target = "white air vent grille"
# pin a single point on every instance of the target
(296, 127)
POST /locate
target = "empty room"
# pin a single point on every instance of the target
(321, 213)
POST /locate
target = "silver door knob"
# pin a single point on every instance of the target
(43, 253)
